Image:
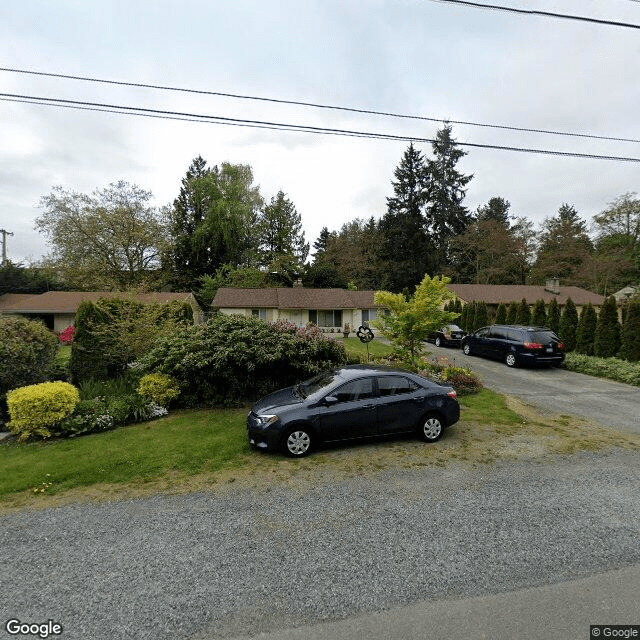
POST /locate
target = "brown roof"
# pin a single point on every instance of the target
(292, 298)
(68, 301)
(497, 293)
(8, 299)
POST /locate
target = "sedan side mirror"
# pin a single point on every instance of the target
(330, 400)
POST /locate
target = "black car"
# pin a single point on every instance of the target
(358, 401)
(515, 345)
(449, 335)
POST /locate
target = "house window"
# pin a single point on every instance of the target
(368, 315)
(326, 318)
(260, 313)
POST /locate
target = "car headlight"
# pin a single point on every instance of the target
(266, 420)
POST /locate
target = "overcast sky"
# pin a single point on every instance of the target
(405, 56)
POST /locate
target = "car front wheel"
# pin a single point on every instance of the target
(297, 442)
(466, 349)
(431, 428)
(438, 341)
(511, 360)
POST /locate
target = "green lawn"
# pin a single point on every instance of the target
(376, 348)
(189, 442)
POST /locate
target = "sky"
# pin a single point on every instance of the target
(418, 57)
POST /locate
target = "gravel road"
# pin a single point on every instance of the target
(238, 560)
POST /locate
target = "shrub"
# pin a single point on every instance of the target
(586, 332)
(114, 332)
(159, 388)
(523, 316)
(512, 313)
(568, 325)
(607, 340)
(89, 416)
(630, 347)
(480, 317)
(539, 316)
(37, 408)
(611, 368)
(27, 352)
(233, 359)
(553, 316)
(463, 380)
(501, 314)
(129, 409)
(66, 336)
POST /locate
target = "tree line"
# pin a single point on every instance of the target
(221, 231)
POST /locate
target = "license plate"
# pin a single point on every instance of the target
(549, 349)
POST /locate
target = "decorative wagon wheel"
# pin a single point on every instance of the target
(366, 336)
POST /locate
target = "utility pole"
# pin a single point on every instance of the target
(4, 245)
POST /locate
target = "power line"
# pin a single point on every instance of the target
(533, 12)
(211, 119)
(316, 105)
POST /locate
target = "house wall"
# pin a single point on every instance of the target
(300, 317)
(62, 320)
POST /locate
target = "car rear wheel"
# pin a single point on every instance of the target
(431, 427)
(511, 360)
(466, 349)
(438, 341)
(297, 442)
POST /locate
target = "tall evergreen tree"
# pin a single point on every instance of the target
(607, 340)
(481, 317)
(524, 313)
(539, 317)
(405, 246)
(497, 209)
(213, 221)
(586, 332)
(630, 343)
(568, 325)
(512, 313)
(320, 245)
(553, 316)
(446, 216)
(501, 314)
(281, 236)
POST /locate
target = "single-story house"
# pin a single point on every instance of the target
(327, 308)
(494, 294)
(58, 308)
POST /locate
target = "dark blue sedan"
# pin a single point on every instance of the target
(359, 401)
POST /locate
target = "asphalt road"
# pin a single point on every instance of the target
(557, 390)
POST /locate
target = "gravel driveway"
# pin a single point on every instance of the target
(239, 561)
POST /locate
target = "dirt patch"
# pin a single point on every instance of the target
(535, 436)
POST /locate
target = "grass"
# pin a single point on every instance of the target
(357, 348)
(199, 449)
(184, 443)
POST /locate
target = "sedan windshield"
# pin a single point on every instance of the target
(320, 382)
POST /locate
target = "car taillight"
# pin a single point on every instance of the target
(532, 345)
(452, 394)
(560, 345)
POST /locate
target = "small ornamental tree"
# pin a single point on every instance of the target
(408, 323)
(568, 325)
(607, 340)
(501, 314)
(586, 332)
(524, 313)
(481, 317)
(539, 317)
(630, 343)
(553, 316)
(512, 313)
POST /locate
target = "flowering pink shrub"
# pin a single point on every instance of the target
(66, 336)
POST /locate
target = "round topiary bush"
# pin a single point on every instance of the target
(234, 359)
(27, 352)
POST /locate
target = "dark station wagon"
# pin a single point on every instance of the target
(354, 402)
(515, 345)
